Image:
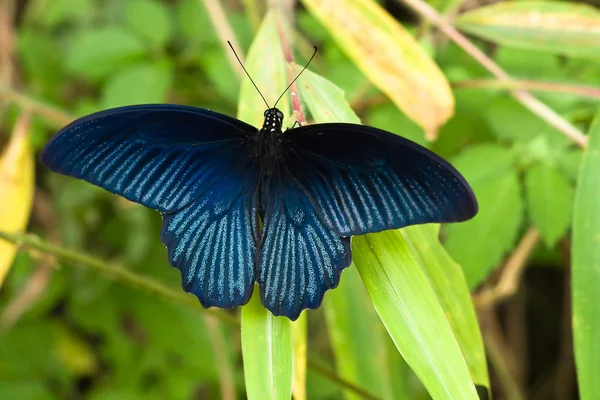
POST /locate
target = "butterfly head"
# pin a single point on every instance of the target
(273, 120)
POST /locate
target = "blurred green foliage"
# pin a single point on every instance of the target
(87, 337)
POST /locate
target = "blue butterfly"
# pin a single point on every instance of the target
(242, 205)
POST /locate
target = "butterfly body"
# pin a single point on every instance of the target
(269, 140)
(242, 205)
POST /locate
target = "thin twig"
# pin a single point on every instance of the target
(254, 12)
(564, 380)
(524, 97)
(500, 356)
(219, 20)
(53, 114)
(511, 274)
(150, 285)
(289, 58)
(7, 36)
(335, 378)
(515, 322)
(114, 272)
(37, 283)
(222, 358)
(583, 91)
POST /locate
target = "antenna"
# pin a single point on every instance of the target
(297, 76)
(244, 68)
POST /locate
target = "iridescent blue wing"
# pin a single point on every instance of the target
(300, 257)
(196, 167)
(213, 241)
(162, 156)
(361, 179)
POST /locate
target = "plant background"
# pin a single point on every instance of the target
(71, 333)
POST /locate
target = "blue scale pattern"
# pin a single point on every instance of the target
(161, 156)
(301, 258)
(213, 241)
(361, 179)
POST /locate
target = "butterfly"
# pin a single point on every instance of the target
(242, 205)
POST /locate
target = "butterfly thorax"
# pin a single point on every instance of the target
(270, 138)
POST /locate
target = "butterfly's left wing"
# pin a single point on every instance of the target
(193, 165)
(300, 257)
(362, 179)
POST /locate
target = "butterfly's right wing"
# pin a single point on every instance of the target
(160, 155)
(196, 167)
(300, 257)
(213, 241)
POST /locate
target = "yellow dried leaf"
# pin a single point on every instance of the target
(16, 190)
(390, 57)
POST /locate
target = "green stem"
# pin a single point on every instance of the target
(516, 84)
(116, 273)
(217, 16)
(151, 286)
(335, 378)
(60, 118)
(527, 99)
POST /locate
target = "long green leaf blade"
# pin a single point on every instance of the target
(549, 26)
(450, 286)
(412, 314)
(267, 352)
(586, 269)
(358, 338)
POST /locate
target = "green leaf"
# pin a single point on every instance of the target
(539, 66)
(29, 389)
(448, 281)
(29, 350)
(468, 126)
(389, 118)
(510, 120)
(38, 56)
(551, 26)
(412, 314)
(494, 228)
(445, 6)
(569, 163)
(483, 162)
(95, 53)
(550, 202)
(358, 338)
(137, 84)
(586, 268)
(194, 22)
(56, 12)
(323, 98)
(267, 352)
(151, 19)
